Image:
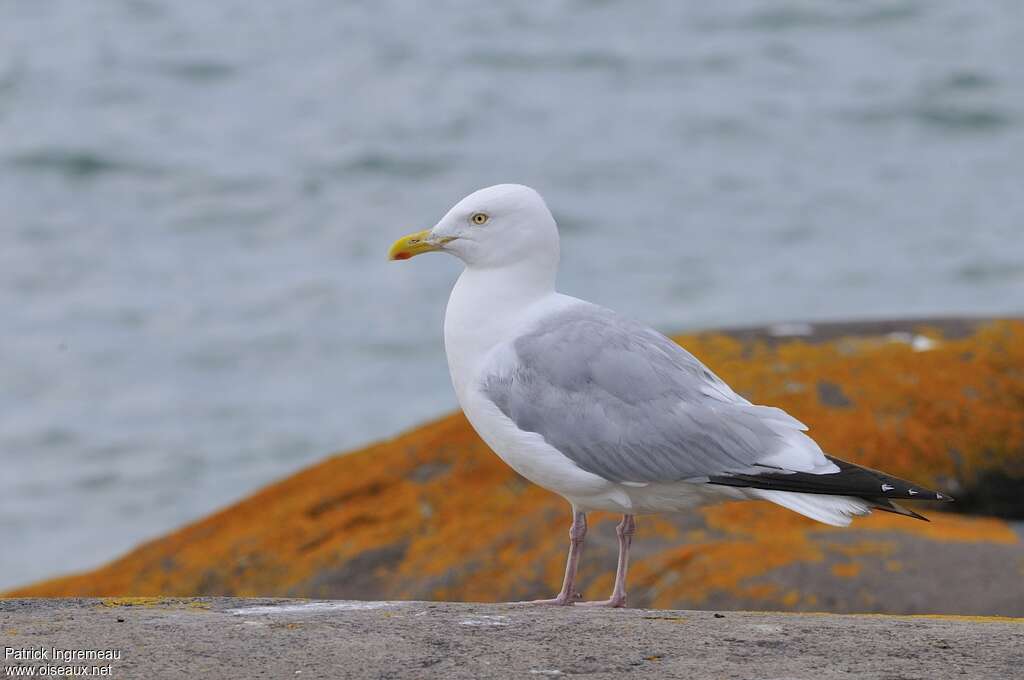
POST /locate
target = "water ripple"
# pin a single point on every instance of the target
(78, 163)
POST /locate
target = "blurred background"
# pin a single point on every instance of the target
(198, 197)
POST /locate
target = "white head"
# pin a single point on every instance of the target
(506, 225)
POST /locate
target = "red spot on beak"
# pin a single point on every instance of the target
(402, 256)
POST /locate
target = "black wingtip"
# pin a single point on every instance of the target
(851, 480)
(888, 506)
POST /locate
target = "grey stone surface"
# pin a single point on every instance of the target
(239, 638)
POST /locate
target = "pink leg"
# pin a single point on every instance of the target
(625, 531)
(577, 532)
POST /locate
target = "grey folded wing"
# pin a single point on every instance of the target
(626, 403)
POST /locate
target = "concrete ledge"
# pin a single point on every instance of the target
(236, 638)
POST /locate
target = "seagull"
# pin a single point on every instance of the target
(604, 411)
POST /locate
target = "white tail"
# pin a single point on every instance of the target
(838, 511)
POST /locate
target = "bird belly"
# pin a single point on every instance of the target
(528, 454)
(657, 497)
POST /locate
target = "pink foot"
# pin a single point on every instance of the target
(555, 601)
(577, 532)
(559, 600)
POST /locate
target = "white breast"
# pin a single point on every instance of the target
(482, 320)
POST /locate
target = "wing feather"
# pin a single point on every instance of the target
(626, 403)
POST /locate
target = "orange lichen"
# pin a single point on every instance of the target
(865, 548)
(434, 514)
(847, 569)
(947, 527)
(757, 538)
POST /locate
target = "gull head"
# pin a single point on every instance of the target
(503, 225)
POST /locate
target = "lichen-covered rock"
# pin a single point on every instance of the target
(944, 411)
(432, 514)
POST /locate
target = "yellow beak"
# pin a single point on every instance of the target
(414, 244)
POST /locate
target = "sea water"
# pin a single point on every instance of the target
(197, 198)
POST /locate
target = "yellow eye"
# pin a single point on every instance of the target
(479, 218)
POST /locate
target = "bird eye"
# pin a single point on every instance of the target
(479, 218)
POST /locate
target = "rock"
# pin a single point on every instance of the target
(433, 514)
(229, 638)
